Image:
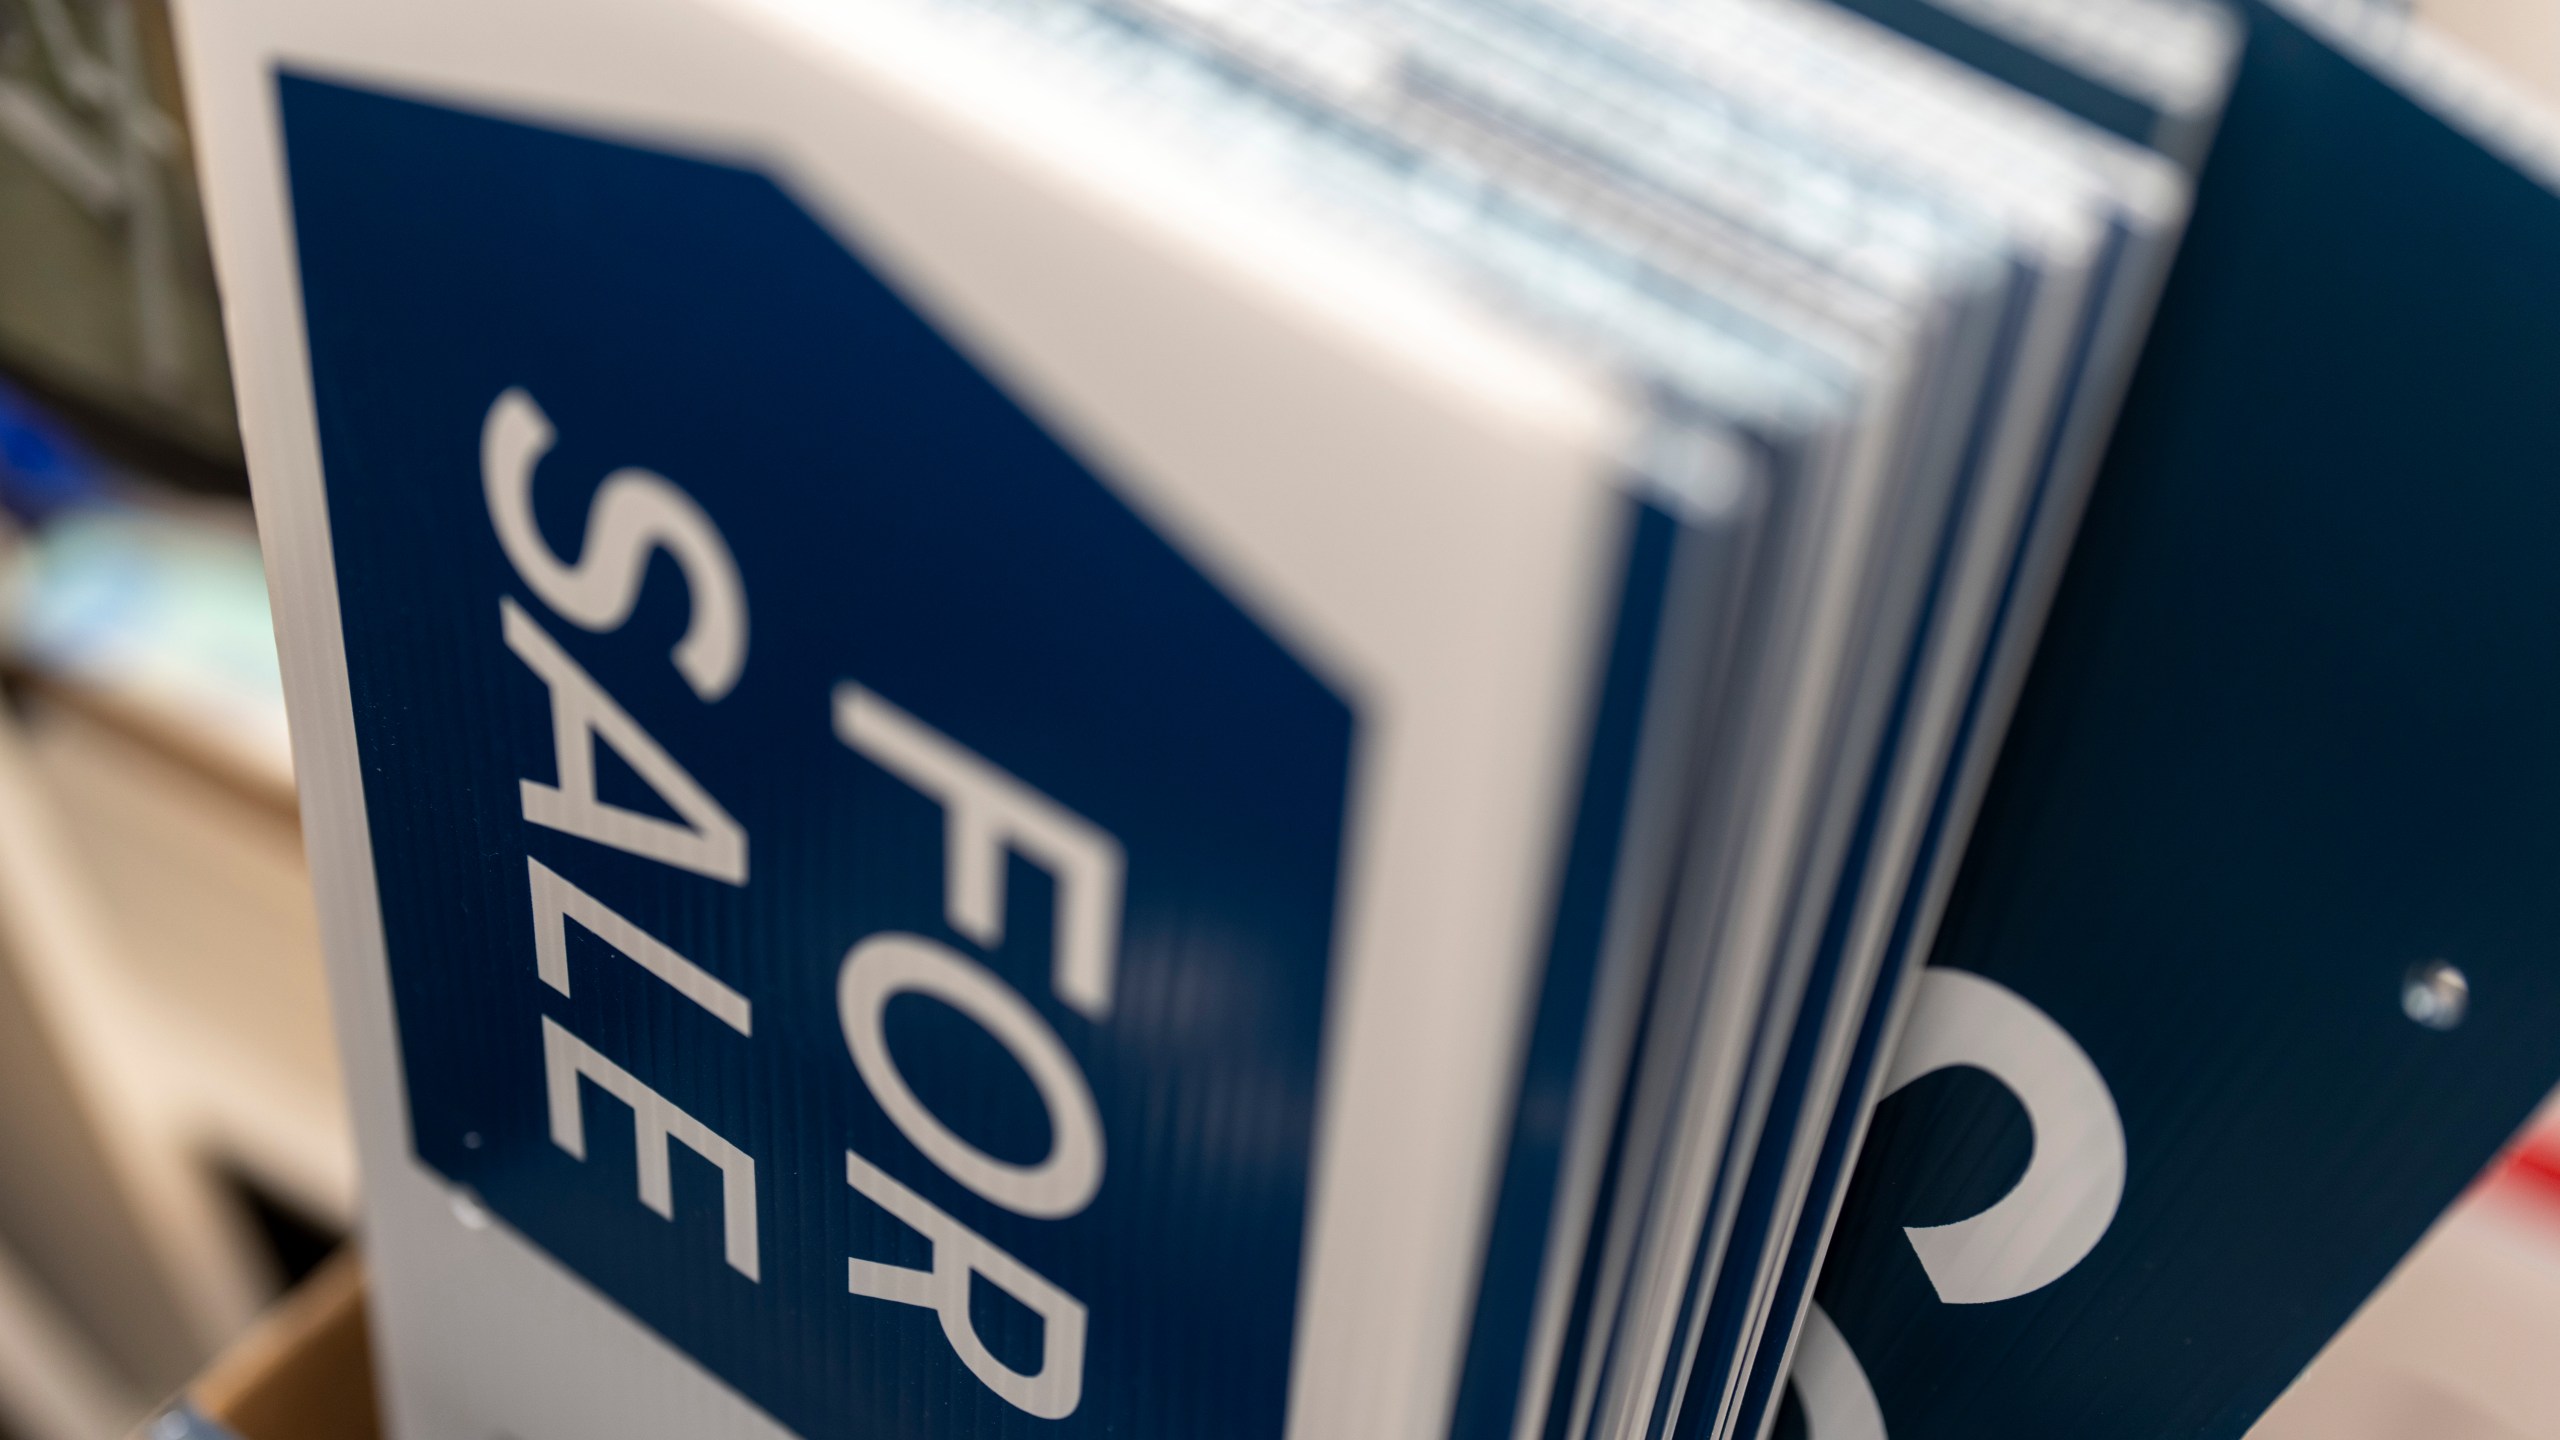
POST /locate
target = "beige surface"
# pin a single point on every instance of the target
(2521, 37)
(2462, 1344)
(216, 949)
(66, 1204)
(54, 1384)
(100, 1199)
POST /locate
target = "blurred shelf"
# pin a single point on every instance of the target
(53, 1383)
(168, 1078)
(216, 948)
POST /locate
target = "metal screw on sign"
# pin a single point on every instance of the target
(2435, 994)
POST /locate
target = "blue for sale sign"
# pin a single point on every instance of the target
(854, 893)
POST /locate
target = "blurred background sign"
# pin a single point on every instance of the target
(106, 293)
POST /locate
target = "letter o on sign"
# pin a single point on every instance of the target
(894, 963)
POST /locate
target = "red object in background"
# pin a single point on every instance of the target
(2537, 1163)
(2531, 1166)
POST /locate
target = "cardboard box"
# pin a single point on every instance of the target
(304, 1372)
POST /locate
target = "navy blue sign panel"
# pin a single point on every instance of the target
(854, 894)
(2285, 763)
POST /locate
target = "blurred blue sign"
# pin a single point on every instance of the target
(2270, 856)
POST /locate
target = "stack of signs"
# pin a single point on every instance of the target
(1146, 718)
(2246, 972)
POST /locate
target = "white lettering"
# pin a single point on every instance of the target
(1832, 1386)
(890, 964)
(655, 1121)
(708, 843)
(556, 902)
(987, 812)
(1053, 1391)
(2057, 1212)
(633, 513)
